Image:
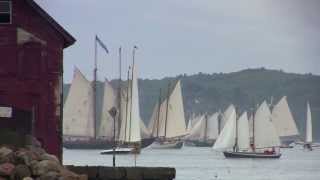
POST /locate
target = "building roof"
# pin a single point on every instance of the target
(68, 38)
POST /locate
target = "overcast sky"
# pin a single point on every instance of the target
(191, 36)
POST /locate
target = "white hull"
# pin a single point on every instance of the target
(119, 151)
(167, 145)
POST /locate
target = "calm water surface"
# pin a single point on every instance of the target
(194, 163)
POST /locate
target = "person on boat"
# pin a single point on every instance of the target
(272, 151)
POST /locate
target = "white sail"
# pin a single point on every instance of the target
(226, 139)
(130, 125)
(153, 123)
(243, 132)
(308, 125)
(106, 124)
(78, 117)
(283, 119)
(198, 130)
(265, 133)
(145, 133)
(226, 114)
(213, 126)
(176, 125)
(125, 112)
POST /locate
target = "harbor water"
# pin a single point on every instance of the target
(193, 163)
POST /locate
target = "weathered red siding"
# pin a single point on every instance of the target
(31, 71)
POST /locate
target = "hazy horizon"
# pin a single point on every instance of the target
(176, 37)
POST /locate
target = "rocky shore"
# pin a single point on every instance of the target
(32, 163)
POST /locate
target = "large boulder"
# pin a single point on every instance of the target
(24, 156)
(45, 166)
(49, 157)
(50, 176)
(6, 169)
(4, 151)
(6, 155)
(21, 171)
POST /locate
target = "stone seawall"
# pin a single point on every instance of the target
(125, 173)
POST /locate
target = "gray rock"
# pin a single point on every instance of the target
(4, 151)
(49, 157)
(21, 171)
(50, 176)
(44, 167)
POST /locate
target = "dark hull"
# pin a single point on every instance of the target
(250, 155)
(147, 142)
(199, 143)
(99, 144)
(203, 143)
(93, 144)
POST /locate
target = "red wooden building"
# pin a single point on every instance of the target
(31, 72)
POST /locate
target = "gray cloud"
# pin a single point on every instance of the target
(179, 36)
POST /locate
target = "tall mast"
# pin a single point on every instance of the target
(166, 122)
(236, 143)
(95, 89)
(158, 119)
(219, 122)
(127, 103)
(206, 127)
(253, 130)
(119, 93)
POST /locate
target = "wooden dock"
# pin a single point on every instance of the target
(125, 173)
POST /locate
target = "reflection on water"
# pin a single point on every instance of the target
(194, 163)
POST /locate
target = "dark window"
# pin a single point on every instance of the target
(5, 12)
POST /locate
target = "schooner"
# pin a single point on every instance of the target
(234, 139)
(168, 121)
(285, 124)
(205, 131)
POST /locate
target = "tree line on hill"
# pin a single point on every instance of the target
(209, 93)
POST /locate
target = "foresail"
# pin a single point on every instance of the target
(197, 132)
(226, 114)
(78, 119)
(153, 123)
(226, 139)
(212, 131)
(130, 130)
(176, 125)
(308, 125)
(106, 124)
(265, 132)
(145, 133)
(283, 119)
(243, 132)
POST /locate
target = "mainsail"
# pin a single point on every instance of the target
(227, 137)
(243, 132)
(130, 125)
(175, 124)
(226, 114)
(106, 124)
(308, 125)
(265, 133)
(145, 133)
(205, 129)
(283, 119)
(78, 118)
